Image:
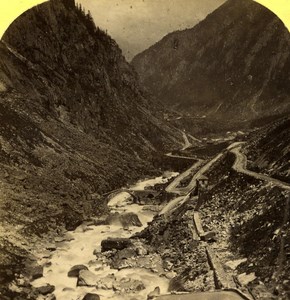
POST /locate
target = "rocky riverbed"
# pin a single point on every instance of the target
(87, 261)
(140, 250)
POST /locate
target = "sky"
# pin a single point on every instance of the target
(137, 24)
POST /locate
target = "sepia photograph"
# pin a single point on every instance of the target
(145, 150)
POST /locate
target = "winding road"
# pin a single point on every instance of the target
(173, 186)
(240, 165)
(184, 192)
(196, 170)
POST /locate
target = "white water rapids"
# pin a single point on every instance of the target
(85, 239)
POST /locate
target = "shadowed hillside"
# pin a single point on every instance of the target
(74, 125)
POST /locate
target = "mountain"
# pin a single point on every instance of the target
(234, 63)
(74, 125)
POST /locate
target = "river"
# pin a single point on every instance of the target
(86, 239)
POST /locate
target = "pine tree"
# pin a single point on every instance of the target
(89, 16)
(90, 22)
(69, 3)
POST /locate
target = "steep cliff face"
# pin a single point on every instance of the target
(74, 124)
(234, 64)
(82, 76)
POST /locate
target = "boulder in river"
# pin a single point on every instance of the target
(75, 270)
(129, 285)
(35, 272)
(91, 296)
(115, 243)
(46, 289)
(154, 293)
(87, 278)
(126, 220)
(130, 219)
(120, 259)
(103, 220)
(106, 283)
(67, 289)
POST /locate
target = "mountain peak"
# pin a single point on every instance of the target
(235, 62)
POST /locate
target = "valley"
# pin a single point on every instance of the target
(164, 178)
(134, 264)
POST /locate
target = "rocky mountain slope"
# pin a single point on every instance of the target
(74, 124)
(251, 219)
(234, 65)
(268, 150)
(246, 219)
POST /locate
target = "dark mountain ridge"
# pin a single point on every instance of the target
(234, 63)
(78, 65)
